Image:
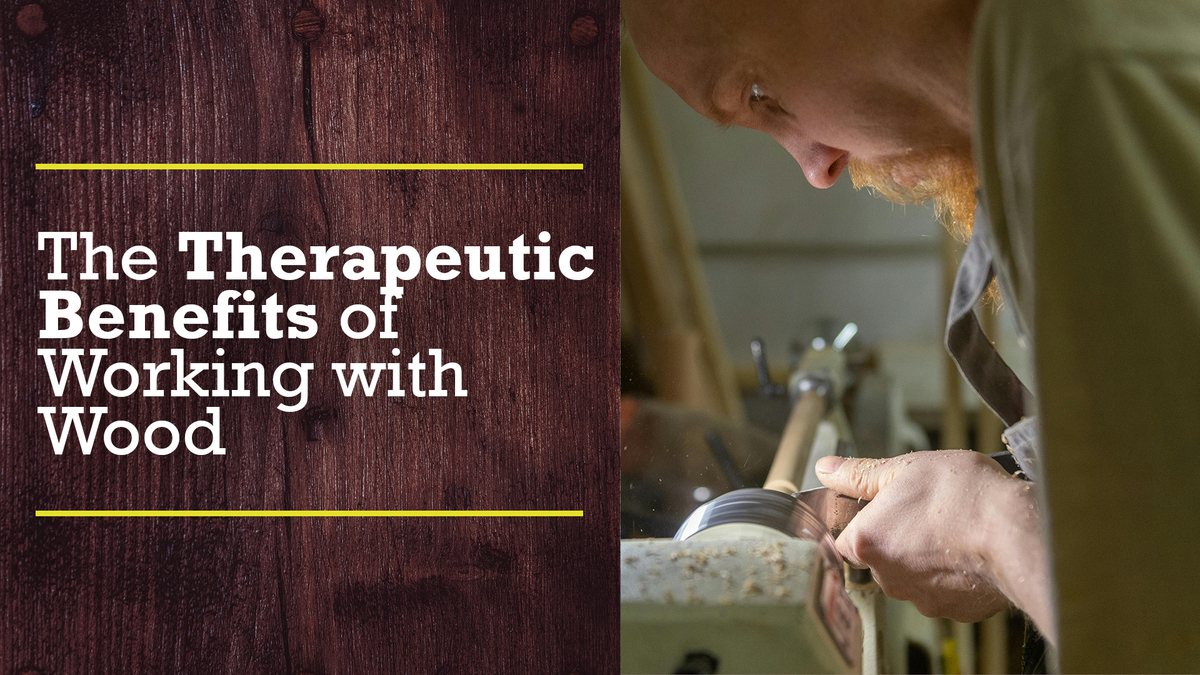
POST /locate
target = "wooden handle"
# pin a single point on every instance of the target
(796, 445)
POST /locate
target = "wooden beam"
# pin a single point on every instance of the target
(654, 216)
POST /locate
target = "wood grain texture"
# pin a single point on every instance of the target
(372, 81)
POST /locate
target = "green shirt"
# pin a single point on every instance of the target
(1087, 142)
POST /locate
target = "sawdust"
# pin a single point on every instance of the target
(702, 556)
(773, 554)
(774, 579)
(751, 587)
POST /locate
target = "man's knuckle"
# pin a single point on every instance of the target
(863, 475)
(925, 611)
(890, 588)
(860, 482)
(933, 610)
(862, 546)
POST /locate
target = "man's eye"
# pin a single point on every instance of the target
(757, 95)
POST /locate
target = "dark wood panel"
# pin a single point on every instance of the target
(370, 82)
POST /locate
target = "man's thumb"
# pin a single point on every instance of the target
(858, 478)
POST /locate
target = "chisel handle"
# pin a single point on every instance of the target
(796, 444)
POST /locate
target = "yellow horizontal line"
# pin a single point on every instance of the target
(308, 167)
(308, 514)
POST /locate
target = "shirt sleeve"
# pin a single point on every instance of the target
(1106, 175)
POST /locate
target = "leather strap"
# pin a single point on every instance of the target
(975, 355)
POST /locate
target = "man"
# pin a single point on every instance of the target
(1078, 122)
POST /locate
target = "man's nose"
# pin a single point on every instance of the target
(821, 164)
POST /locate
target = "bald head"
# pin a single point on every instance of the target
(830, 81)
(685, 43)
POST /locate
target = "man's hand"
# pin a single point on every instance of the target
(948, 530)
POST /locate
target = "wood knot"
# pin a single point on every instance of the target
(283, 223)
(584, 31)
(308, 25)
(314, 422)
(32, 20)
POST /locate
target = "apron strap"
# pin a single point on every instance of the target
(977, 359)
